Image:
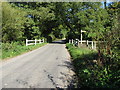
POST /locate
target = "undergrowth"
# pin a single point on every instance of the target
(16, 48)
(88, 71)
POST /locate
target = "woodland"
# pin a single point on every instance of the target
(58, 20)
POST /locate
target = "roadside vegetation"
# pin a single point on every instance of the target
(90, 72)
(57, 20)
(15, 48)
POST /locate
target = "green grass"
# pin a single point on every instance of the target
(88, 71)
(15, 48)
(80, 52)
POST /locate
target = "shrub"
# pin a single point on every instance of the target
(16, 48)
(89, 73)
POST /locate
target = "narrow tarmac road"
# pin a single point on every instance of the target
(46, 67)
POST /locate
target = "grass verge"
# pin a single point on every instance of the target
(13, 49)
(88, 71)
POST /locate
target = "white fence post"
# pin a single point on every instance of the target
(69, 40)
(78, 42)
(43, 40)
(92, 44)
(72, 41)
(87, 42)
(95, 44)
(26, 42)
(40, 41)
(81, 36)
(35, 41)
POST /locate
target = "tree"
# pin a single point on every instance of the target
(12, 23)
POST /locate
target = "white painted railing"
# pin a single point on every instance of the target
(31, 42)
(77, 42)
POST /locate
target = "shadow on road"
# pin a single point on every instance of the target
(59, 42)
(69, 79)
(68, 65)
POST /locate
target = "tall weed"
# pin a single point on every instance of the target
(16, 48)
(89, 73)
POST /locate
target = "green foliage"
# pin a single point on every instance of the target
(22, 20)
(12, 23)
(52, 20)
(16, 48)
(89, 73)
(59, 19)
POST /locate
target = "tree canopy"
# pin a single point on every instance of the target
(51, 20)
(58, 20)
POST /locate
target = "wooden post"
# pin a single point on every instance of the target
(92, 44)
(35, 41)
(26, 42)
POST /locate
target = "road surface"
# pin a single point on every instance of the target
(46, 67)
